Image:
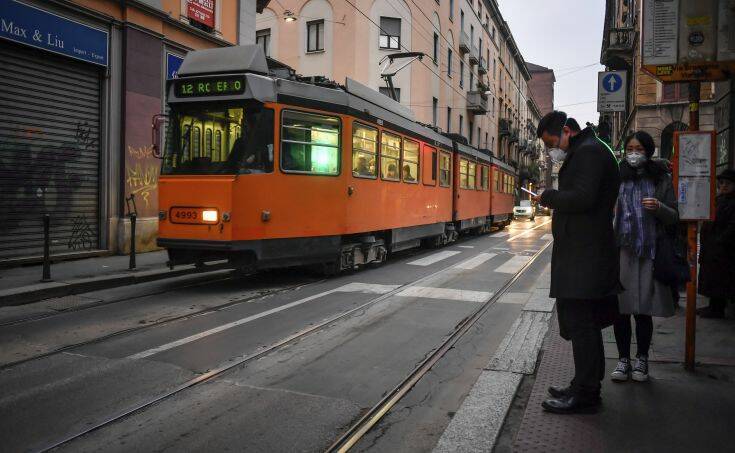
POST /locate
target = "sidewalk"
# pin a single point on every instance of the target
(674, 411)
(22, 284)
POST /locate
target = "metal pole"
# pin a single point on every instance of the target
(691, 309)
(133, 218)
(46, 248)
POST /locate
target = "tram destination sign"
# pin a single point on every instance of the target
(210, 86)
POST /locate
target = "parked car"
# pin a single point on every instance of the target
(525, 210)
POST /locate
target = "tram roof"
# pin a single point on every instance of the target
(353, 98)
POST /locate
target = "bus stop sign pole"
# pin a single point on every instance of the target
(691, 307)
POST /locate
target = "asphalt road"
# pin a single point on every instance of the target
(298, 397)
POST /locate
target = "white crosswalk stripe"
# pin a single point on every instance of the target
(476, 261)
(513, 265)
(547, 237)
(434, 258)
(463, 295)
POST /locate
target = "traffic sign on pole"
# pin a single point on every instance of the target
(611, 91)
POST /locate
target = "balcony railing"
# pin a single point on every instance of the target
(621, 39)
(477, 101)
(474, 55)
(503, 127)
(513, 135)
(482, 66)
(464, 42)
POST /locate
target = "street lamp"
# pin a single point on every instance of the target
(289, 16)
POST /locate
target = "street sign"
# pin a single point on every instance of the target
(688, 40)
(611, 91)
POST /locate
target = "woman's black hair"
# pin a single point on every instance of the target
(645, 139)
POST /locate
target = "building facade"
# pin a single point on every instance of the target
(80, 81)
(541, 86)
(472, 80)
(657, 108)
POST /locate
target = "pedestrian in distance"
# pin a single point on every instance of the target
(584, 261)
(717, 255)
(646, 209)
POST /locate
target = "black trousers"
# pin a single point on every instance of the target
(581, 322)
(624, 333)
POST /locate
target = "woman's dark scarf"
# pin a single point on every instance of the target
(635, 227)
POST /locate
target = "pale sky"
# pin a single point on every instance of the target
(563, 35)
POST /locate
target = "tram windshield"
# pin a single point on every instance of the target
(219, 139)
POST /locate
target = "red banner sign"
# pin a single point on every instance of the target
(201, 11)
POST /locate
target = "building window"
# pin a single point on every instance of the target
(436, 48)
(390, 33)
(364, 151)
(386, 91)
(310, 143)
(461, 73)
(434, 111)
(390, 155)
(471, 130)
(461, 120)
(445, 170)
(451, 10)
(493, 144)
(263, 39)
(449, 62)
(449, 119)
(673, 92)
(410, 169)
(472, 80)
(486, 134)
(315, 36)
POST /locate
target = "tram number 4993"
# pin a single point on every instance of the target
(179, 215)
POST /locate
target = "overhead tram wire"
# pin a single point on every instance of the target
(407, 50)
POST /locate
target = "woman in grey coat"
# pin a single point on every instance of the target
(646, 204)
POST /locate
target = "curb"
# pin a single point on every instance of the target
(476, 425)
(40, 291)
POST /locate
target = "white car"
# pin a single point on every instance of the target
(525, 210)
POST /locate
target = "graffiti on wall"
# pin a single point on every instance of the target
(142, 173)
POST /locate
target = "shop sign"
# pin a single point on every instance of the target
(35, 27)
(201, 11)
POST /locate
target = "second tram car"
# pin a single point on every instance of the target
(268, 170)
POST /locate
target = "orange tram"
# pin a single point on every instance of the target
(267, 169)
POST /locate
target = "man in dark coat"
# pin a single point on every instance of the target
(717, 256)
(584, 263)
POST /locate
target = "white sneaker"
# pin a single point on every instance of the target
(640, 369)
(622, 371)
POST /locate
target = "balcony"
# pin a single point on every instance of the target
(523, 144)
(482, 66)
(474, 55)
(618, 47)
(477, 102)
(503, 127)
(464, 43)
(513, 135)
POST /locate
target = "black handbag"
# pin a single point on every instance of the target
(670, 265)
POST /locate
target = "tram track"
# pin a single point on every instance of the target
(373, 416)
(233, 363)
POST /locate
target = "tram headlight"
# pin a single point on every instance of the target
(209, 216)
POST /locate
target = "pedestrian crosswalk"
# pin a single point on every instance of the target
(434, 258)
(513, 265)
(476, 261)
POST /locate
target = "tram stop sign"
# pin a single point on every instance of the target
(611, 91)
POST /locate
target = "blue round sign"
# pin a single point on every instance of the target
(612, 83)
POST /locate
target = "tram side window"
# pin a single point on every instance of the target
(364, 151)
(310, 143)
(213, 140)
(463, 176)
(445, 169)
(390, 155)
(472, 176)
(410, 169)
(496, 177)
(485, 181)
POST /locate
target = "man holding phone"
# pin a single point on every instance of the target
(585, 263)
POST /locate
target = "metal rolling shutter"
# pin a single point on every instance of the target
(49, 152)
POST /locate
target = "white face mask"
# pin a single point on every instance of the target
(557, 155)
(635, 159)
